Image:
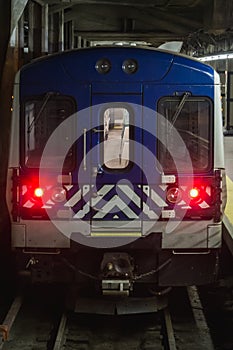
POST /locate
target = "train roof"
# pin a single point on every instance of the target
(154, 64)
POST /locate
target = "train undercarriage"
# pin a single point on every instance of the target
(139, 268)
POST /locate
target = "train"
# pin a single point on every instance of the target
(116, 178)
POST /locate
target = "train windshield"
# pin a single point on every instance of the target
(42, 116)
(190, 117)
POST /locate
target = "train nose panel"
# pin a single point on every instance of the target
(111, 209)
(113, 189)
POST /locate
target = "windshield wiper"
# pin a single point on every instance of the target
(179, 109)
(37, 117)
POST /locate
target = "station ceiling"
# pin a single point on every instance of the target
(198, 23)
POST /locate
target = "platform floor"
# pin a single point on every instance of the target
(228, 215)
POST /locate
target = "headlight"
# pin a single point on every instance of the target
(58, 194)
(174, 195)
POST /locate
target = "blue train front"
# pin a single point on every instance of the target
(116, 170)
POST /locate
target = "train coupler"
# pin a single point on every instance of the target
(117, 273)
(116, 287)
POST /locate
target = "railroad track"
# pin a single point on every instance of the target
(39, 325)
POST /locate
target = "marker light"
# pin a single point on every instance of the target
(38, 192)
(103, 66)
(130, 66)
(174, 195)
(194, 193)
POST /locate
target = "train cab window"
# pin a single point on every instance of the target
(42, 116)
(190, 117)
(116, 138)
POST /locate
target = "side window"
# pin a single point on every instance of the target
(191, 117)
(42, 116)
(116, 145)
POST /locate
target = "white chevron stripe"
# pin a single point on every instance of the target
(50, 202)
(100, 194)
(146, 209)
(24, 189)
(74, 199)
(204, 205)
(146, 190)
(115, 202)
(68, 187)
(150, 213)
(137, 200)
(131, 194)
(208, 190)
(105, 189)
(81, 213)
(48, 205)
(157, 200)
(154, 196)
(163, 187)
(28, 204)
(86, 189)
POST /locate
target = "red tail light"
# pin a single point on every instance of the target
(38, 192)
(194, 193)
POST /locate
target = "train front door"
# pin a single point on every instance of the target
(116, 165)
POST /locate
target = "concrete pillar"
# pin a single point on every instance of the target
(45, 29)
(8, 67)
(35, 30)
(53, 32)
(61, 31)
(21, 43)
(84, 42)
(5, 17)
(69, 35)
(79, 41)
(30, 29)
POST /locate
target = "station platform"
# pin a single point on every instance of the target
(228, 215)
